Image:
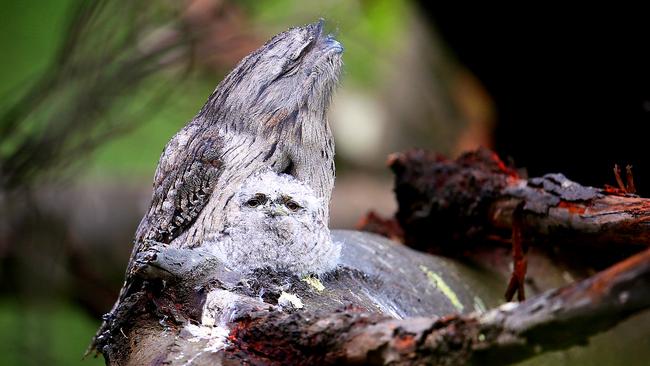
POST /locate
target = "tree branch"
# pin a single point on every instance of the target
(508, 334)
(473, 198)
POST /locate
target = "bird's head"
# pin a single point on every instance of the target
(275, 221)
(295, 71)
(274, 205)
(277, 196)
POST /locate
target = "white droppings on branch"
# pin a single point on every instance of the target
(290, 300)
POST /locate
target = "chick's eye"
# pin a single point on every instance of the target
(259, 199)
(293, 206)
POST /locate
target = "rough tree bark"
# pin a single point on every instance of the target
(373, 310)
(473, 198)
(448, 206)
(504, 335)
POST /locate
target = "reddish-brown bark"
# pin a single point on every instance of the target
(503, 335)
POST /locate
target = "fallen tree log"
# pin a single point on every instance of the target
(387, 303)
(180, 289)
(507, 334)
(235, 327)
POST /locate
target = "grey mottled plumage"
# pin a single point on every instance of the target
(269, 113)
(275, 222)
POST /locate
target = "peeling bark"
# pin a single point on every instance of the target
(451, 207)
(443, 203)
(504, 335)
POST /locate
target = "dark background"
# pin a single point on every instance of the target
(571, 87)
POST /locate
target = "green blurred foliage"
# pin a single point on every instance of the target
(44, 334)
(30, 32)
(136, 154)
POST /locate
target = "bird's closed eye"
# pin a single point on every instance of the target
(290, 68)
(259, 199)
(302, 51)
(291, 65)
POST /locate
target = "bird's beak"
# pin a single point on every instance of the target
(278, 211)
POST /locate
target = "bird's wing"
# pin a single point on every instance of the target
(183, 183)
